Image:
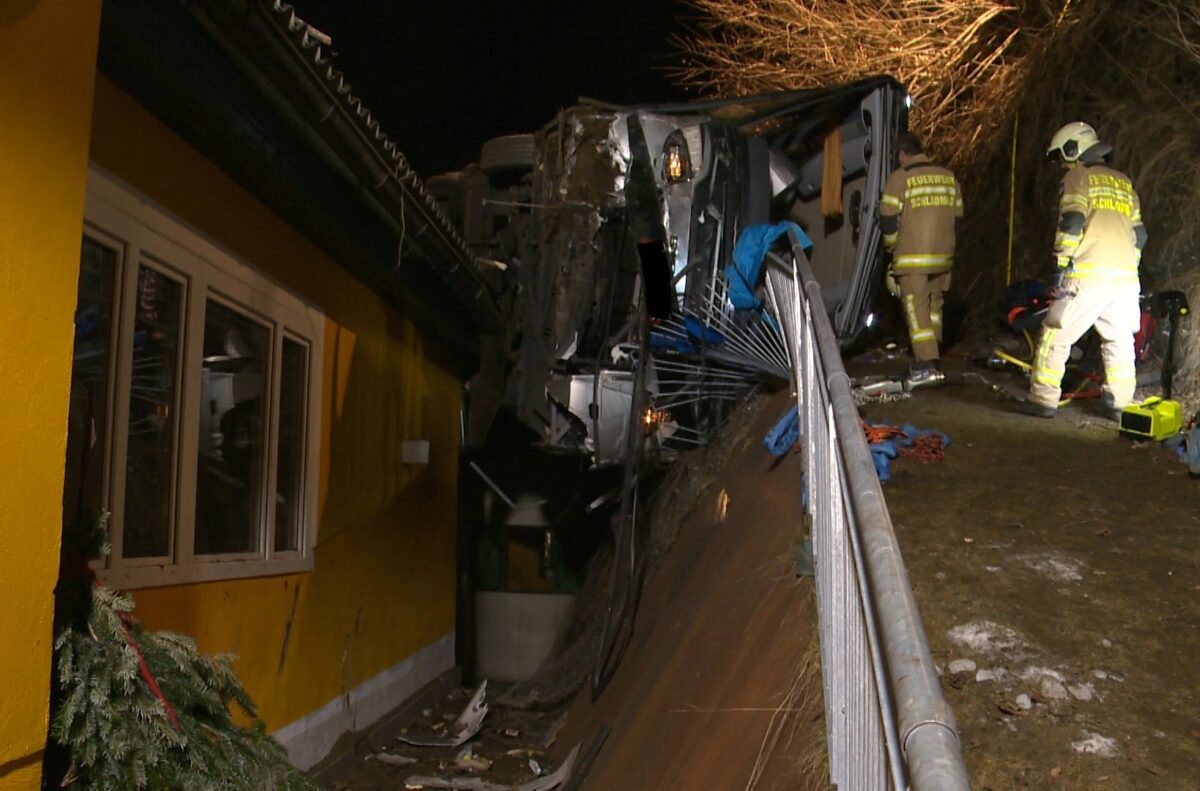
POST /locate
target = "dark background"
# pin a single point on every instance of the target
(443, 77)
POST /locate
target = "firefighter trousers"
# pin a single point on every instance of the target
(1112, 308)
(923, 295)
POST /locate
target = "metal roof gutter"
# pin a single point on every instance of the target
(295, 61)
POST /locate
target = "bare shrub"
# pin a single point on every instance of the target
(962, 60)
(1129, 67)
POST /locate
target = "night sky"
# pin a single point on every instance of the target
(443, 77)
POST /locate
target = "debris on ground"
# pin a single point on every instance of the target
(465, 726)
(392, 759)
(878, 390)
(467, 759)
(491, 758)
(539, 783)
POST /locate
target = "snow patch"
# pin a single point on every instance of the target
(1084, 692)
(1059, 568)
(1036, 673)
(962, 666)
(1053, 690)
(1095, 744)
(1053, 683)
(985, 637)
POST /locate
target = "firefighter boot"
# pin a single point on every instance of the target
(1027, 407)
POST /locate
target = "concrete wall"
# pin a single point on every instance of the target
(47, 61)
(383, 585)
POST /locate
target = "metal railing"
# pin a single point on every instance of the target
(888, 725)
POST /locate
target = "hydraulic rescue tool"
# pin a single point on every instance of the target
(1158, 418)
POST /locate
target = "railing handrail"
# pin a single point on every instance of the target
(925, 729)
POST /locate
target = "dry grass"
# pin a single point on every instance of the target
(799, 716)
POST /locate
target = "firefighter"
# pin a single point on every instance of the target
(1097, 249)
(920, 206)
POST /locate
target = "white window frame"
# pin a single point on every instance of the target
(143, 233)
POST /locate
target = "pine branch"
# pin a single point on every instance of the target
(116, 734)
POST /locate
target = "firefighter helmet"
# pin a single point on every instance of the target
(1072, 140)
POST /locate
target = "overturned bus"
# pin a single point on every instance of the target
(614, 236)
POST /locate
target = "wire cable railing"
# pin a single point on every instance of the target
(888, 726)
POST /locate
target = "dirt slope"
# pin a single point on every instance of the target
(718, 684)
(1066, 561)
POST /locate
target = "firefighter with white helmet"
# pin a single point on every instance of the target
(920, 205)
(1097, 249)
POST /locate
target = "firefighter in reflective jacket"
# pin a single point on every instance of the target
(1096, 253)
(921, 202)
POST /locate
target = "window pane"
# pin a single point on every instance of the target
(289, 470)
(150, 454)
(83, 495)
(229, 490)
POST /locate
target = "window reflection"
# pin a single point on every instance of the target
(289, 470)
(153, 395)
(83, 495)
(229, 502)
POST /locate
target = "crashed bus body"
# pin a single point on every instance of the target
(613, 230)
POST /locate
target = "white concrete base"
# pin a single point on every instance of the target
(516, 632)
(310, 738)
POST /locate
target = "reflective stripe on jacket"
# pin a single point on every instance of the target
(1098, 220)
(926, 199)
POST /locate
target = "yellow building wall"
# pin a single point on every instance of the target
(47, 63)
(383, 585)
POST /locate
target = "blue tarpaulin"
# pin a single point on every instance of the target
(748, 255)
(783, 435)
(882, 454)
(698, 331)
(782, 438)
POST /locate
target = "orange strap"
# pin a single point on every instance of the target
(880, 433)
(927, 447)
